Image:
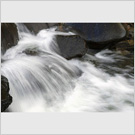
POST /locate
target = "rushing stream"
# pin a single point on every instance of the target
(42, 81)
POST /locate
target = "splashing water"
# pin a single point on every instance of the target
(42, 81)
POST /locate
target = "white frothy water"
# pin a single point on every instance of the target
(43, 81)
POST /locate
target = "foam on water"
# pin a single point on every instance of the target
(43, 81)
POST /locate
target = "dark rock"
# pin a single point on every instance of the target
(31, 52)
(36, 27)
(53, 24)
(9, 36)
(98, 34)
(6, 99)
(123, 47)
(71, 46)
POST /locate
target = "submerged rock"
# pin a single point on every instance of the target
(71, 46)
(6, 99)
(36, 27)
(9, 36)
(98, 34)
(31, 52)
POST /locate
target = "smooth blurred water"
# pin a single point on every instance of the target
(42, 81)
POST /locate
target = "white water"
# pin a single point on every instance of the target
(46, 82)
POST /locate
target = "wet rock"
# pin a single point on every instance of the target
(71, 46)
(32, 52)
(123, 47)
(36, 27)
(9, 36)
(98, 34)
(6, 99)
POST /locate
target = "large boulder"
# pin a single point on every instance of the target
(6, 99)
(126, 46)
(71, 46)
(98, 34)
(9, 36)
(36, 27)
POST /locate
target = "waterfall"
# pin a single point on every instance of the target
(42, 81)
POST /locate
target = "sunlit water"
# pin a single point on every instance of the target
(42, 81)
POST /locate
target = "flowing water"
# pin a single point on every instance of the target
(42, 81)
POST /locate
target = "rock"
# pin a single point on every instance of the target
(131, 42)
(71, 46)
(9, 36)
(98, 34)
(53, 24)
(123, 52)
(31, 52)
(6, 99)
(123, 47)
(129, 30)
(36, 27)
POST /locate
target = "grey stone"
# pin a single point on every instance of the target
(71, 46)
(99, 33)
